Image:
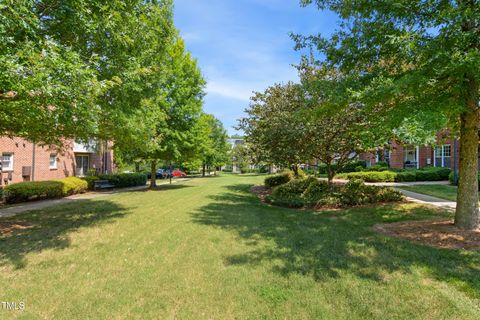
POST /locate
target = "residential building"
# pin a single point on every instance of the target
(23, 160)
(410, 156)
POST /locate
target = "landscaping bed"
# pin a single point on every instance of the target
(287, 191)
(436, 233)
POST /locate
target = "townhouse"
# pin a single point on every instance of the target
(23, 160)
(444, 154)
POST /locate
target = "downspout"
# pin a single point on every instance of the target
(33, 161)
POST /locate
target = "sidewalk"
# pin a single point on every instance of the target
(37, 205)
(424, 199)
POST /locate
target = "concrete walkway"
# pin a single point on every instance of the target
(38, 205)
(425, 199)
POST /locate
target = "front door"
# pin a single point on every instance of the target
(82, 163)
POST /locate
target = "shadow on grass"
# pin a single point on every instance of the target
(48, 228)
(326, 244)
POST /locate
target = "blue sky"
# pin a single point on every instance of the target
(243, 46)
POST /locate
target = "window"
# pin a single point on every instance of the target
(447, 155)
(443, 155)
(7, 161)
(53, 161)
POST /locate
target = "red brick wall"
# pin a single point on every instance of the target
(396, 155)
(22, 151)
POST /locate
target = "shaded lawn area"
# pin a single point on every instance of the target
(440, 191)
(209, 249)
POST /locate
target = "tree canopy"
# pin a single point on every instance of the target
(413, 61)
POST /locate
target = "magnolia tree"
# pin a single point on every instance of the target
(419, 58)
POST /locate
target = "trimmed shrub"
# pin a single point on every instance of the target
(278, 179)
(315, 191)
(90, 181)
(351, 166)
(37, 190)
(1, 194)
(407, 175)
(433, 174)
(123, 180)
(290, 193)
(371, 176)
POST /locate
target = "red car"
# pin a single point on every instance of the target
(178, 173)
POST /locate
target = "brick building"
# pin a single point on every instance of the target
(410, 156)
(24, 161)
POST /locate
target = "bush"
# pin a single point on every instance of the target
(123, 180)
(227, 170)
(1, 194)
(90, 181)
(433, 174)
(382, 164)
(290, 193)
(311, 192)
(351, 166)
(370, 176)
(315, 191)
(278, 179)
(36, 190)
(407, 175)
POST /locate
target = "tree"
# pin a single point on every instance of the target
(47, 89)
(275, 137)
(414, 58)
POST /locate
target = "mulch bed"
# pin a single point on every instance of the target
(435, 233)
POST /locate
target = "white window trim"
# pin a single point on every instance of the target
(10, 168)
(442, 155)
(56, 161)
(417, 157)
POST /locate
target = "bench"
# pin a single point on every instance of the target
(102, 184)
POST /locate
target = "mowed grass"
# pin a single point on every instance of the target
(209, 249)
(440, 191)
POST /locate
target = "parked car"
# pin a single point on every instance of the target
(178, 173)
(160, 174)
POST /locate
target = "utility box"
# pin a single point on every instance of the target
(26, 171)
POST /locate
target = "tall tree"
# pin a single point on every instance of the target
(414, 57)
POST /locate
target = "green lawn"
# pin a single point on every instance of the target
(208, 249)
(440, 191)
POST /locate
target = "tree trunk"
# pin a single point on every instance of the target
(153, 172)
(330, 174)
(203, 169)
(467, 214)
(137, 167)
(295, 170)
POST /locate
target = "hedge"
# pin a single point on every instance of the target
(370, 176)
(123, 180)
(425, 174)
(37, 190)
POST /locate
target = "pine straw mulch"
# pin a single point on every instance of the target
(435, 233)
(261, 191)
